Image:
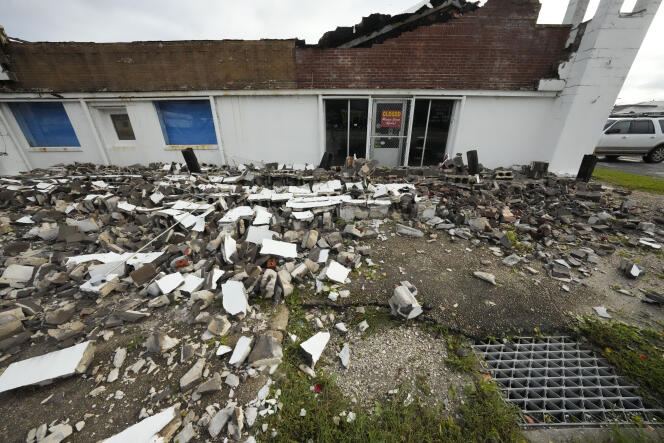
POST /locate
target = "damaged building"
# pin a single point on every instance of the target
(405, 90)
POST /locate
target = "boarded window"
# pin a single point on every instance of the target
(44, 124)
(186, 122)
(122, 126)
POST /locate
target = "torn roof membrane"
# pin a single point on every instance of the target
(377, 28)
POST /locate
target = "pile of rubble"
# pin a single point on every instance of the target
(88, 251)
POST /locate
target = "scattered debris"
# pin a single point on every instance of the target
(403, 301)
(314, 346)
(63, 363)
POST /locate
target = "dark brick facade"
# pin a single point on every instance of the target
(498, 46)
(152, 66)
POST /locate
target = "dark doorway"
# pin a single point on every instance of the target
(345, 128)
(431, 125)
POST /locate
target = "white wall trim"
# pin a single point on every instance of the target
(328, 93)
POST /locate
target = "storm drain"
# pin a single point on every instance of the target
(556, 382)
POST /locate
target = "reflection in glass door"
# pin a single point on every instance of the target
(431, 125)
(345, 128)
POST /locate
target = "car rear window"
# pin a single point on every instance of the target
(642, 127)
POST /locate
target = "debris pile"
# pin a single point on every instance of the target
(89, 252)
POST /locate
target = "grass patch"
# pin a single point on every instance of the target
(461, 363)
(630, 181)
(637, 353)
(483, 417)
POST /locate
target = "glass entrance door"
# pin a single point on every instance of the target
(345, 128)
(389, 130)
(431, 125)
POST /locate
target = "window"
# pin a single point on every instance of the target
(123, 127)
(608, 123)
(44, 124)
(641, 127)
(661, 125)
(622, 127)
(186, 122)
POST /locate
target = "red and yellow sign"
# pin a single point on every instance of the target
(390, 119)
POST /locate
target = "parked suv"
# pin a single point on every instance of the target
(633, 136)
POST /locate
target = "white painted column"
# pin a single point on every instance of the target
(576, 10)
(217, 129)
(594, 77)
(95, 132)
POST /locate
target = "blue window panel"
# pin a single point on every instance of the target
(186, 122)
(44, 124)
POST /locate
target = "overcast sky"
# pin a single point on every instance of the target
(129, 20)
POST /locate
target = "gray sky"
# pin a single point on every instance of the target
(129, 20)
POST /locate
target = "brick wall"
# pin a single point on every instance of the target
(152, 66)
(498, 46)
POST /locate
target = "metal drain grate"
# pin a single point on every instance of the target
(555, 382)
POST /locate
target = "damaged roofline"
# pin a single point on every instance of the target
(119, 96)
(423, 12)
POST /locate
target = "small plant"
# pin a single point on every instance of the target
(135, 343)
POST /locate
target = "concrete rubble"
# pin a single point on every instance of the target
(185, 275)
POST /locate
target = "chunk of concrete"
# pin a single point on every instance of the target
(408, 231)
(280, 248)
(60, 315)
(213, 384)
(220, 420)
(337, 272)
(193, 375)
(219, 325)
(57, 433)
(151, 429)
(62, 363)
(266, 352)
(159, 343)
(241, 351)
(490, 278)
(170, 282)
(234, 297)
(344, 355)
(314, 346)
(404, 303)
(17, 273)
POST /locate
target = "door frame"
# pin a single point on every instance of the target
(405, 114)
(323, 123)
(459, 101)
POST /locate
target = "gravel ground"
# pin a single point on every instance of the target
(395, 357)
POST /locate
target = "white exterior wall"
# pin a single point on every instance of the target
(506, 131)
(266, 129)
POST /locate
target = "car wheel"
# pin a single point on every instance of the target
(656, 155)
(611, 158)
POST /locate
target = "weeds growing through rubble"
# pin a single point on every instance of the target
(331, 417)
(635, 352)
